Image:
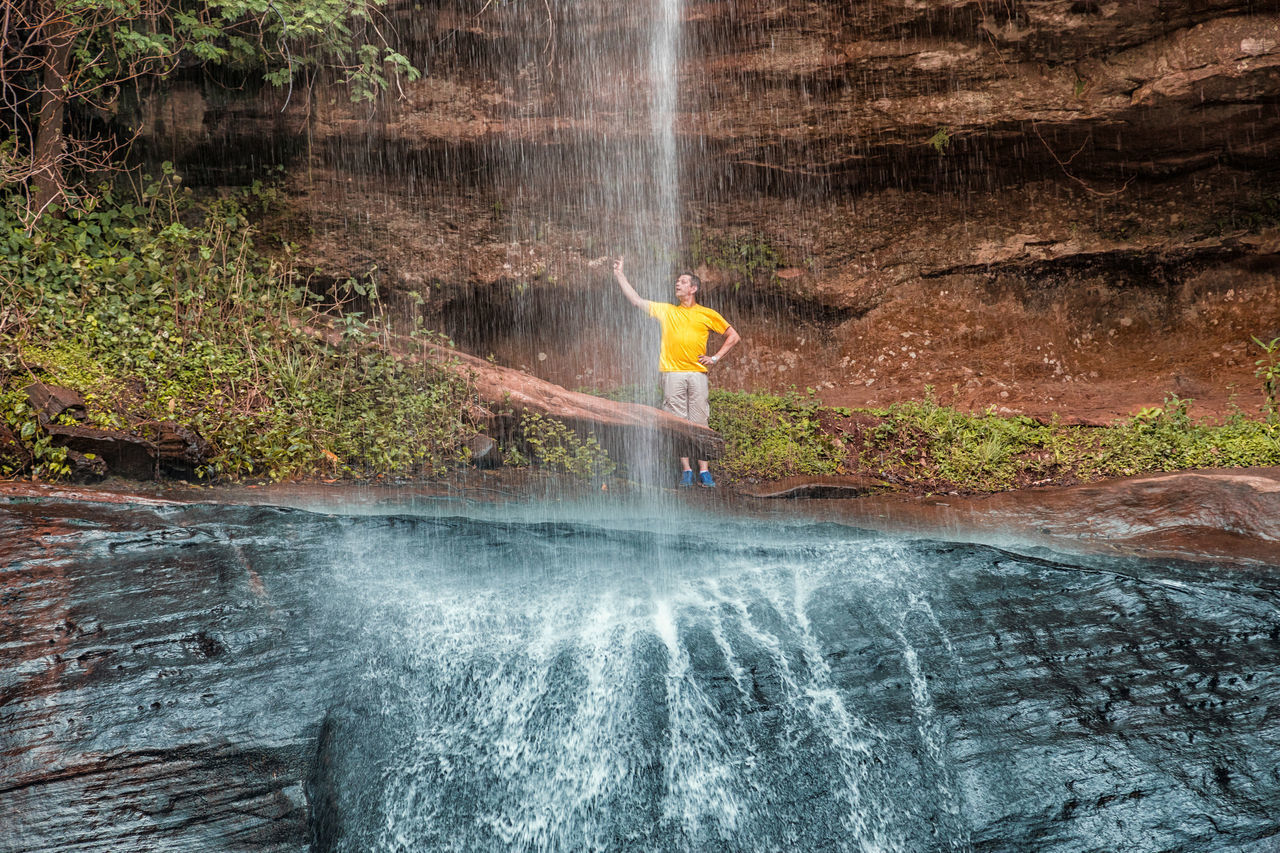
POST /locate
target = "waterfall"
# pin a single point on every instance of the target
(598, 174)
(664, 56)
(685, 714)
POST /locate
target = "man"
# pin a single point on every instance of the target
(683, 360)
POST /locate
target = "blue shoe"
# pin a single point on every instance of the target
(704, 480)
(686, 479)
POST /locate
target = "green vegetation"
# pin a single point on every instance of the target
(1252, 216)
(155, 308)
(122, 298)
(1167, 439)
(552, 445)
(1269, 372)
(34, 449)
(941, 140)
(937, 448)
(94, 58)
(925, 442)
(742, 257)
(767, 436)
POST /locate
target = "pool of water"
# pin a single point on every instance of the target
(559, 677)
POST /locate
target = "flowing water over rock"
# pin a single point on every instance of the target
(641, 676)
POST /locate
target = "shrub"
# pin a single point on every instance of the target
(769, 436)
(553, 445)
(159, 308)
(1165, 438)
(982, 452)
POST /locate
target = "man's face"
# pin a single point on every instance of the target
(685, 287)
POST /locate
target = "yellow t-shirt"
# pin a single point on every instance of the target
(684, 334)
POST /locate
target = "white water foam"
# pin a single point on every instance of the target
(523, 716)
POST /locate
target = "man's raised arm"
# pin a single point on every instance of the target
(627, 290)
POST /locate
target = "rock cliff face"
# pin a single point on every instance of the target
(1061, 205)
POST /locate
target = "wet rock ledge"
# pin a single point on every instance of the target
(165, 684)
(145, 451)
(1227, 514)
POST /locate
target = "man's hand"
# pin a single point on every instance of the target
(731, 338)
(627, 290)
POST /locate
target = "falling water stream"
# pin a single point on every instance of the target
(559, 676)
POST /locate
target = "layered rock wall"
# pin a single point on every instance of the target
(1015, 200)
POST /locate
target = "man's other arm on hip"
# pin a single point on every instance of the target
(731, 338)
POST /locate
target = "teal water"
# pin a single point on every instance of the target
(524, 681)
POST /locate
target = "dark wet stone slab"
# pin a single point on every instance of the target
(151, 692)
(832, 486)
(214, 798)
(662, 676)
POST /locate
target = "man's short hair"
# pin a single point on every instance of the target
(697, 282)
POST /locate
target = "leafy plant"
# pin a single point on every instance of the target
(552, 444)
(1268, 370)
(769, 436)
(937, 448)
(742, 257)
(940, 140)
(979, 452)
(156, 308)
(1166, 438)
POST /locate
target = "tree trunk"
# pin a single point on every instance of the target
(626, 430)
(49, 144)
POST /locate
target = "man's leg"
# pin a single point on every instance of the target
(676, 394)
(700, 413)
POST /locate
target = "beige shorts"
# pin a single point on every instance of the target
(684, 394)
